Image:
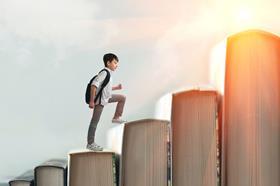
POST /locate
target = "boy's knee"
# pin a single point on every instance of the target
(123, 97)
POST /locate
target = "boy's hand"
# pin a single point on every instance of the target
(119, 87)
(91, 104)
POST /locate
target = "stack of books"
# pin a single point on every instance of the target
(51, 173)
(26, 179)
(194, 145)
(251, 138)
(144, 159)
(88, 168)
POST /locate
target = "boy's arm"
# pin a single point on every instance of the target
(96, 83)
(118, 87)
(92, 96)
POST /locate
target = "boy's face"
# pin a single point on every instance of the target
(112, 65)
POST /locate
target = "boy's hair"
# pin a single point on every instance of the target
(109, 57)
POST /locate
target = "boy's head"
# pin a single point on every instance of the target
(110, 61)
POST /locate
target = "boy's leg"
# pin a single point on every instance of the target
(93, 123)
(121, 101)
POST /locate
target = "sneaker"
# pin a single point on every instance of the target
(119, 120)
(94, 147)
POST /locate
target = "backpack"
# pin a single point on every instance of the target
(99, 94)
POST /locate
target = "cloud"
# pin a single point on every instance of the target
(60, 23)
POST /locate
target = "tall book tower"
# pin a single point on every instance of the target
(251, 138)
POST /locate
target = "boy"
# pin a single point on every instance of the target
(111, 63)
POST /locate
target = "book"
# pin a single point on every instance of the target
(144, 155)
(88, 168)
(25, 179)
(194, 145)
(51, 173)
(251, 145)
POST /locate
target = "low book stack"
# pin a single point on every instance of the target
(26, 179)
(144, 153)
(51, 173)
(89, 168)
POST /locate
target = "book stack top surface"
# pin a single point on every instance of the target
(85, 151)
(140, 122)
(58, 163)
(28, 176)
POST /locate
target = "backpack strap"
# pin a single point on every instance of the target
(105, 82)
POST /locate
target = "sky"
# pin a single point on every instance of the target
(49, 50)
